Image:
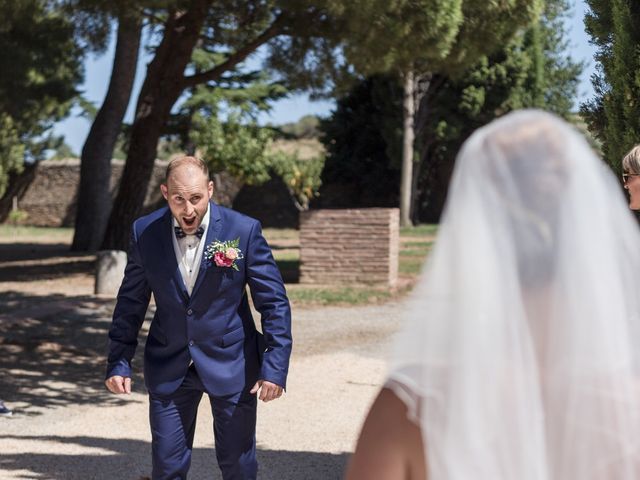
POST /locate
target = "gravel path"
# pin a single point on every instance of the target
(66, 426)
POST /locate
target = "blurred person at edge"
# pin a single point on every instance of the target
(631, 176)
(519, 356)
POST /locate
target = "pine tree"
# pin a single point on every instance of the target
(613, 116)
(532, 70)
(40, 65)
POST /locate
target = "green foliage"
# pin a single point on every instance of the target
(167, 149)
(40, 68)
(532, 70)
(613, 116)
(16, 217)
(559, 71)
(486, 28)
(306, 127)
(378, 36)
(392, 36)
(11, 151)
(87, 109)
(63, 151)
(220, 122)
(363, 143)
(302, 177)
(240, 149)
(243, 150)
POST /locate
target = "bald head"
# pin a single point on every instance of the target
(185, 160)
(187, 189)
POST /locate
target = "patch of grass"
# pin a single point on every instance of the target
(275, 234)
(427, 244)
(411, 265)
(286, 255)
(415, 245)
(337, 296)
(419, 230)
(9, 231)
(414, 253)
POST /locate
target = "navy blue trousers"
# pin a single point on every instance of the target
(173, 422)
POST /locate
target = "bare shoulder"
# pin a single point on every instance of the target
(390, 445)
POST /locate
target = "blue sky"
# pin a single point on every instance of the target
(98, 70)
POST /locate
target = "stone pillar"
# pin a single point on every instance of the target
(349, 246)
(110, 265)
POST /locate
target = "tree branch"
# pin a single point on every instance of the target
(148, 14)
(236, 57)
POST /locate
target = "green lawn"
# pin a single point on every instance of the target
(10, 231)
(415, 245)
(426, 229)
(307, 295)
(276, 234)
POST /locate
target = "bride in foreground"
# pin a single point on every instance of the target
(520, 355)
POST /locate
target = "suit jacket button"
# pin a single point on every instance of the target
(189, 312)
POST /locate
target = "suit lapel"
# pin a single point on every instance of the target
(170, 254)
(213, 232)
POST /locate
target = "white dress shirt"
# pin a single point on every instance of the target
(189, 251)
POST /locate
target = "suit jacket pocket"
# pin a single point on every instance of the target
(234, 336)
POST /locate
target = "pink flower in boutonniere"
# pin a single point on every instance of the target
(224, 254)
(231, 253)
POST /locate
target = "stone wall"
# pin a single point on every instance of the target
(50, 199)
(350, 246)
(49, 195)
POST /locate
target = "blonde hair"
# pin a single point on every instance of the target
(631, 161)
(178, 161)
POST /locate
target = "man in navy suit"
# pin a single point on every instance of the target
(197, 259)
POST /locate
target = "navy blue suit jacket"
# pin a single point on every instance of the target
(214, 326)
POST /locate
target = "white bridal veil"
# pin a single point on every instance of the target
(521, 350)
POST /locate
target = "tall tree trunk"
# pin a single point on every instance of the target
(423, 84)
(94, 198)
(163, 85)
(161, 89)
(18, 185)
(408, 114)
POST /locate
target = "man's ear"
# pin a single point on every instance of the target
(165, 191)
(209, 189)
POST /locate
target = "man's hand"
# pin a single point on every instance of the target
(268, 391)
(118, 384)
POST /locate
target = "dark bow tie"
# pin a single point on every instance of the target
(180, 233)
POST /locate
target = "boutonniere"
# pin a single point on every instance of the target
(224, 254)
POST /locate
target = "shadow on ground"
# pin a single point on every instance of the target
(131, 459)
(26, 262)
(53, 350)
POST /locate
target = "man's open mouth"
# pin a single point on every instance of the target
(189, 222)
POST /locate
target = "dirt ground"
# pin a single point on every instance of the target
(53, 337)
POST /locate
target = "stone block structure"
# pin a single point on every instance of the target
(50, 199)
(349, 246)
